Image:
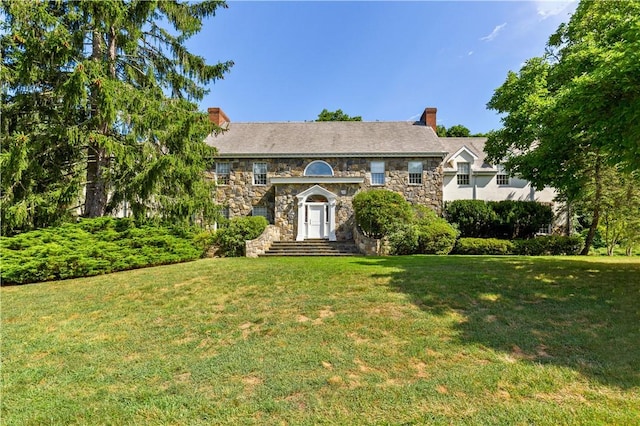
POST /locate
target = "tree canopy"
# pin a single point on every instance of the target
(100, 99)
(574, 112)
(337, 115)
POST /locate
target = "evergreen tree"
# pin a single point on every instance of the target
(101, 96)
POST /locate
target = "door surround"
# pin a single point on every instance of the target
(326, 211)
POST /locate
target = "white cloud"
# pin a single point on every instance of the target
(494, 33)
(470, 53)
(547, 9)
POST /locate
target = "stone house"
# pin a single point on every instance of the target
(302, 176)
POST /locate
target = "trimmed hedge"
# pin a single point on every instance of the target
(492, 246)
(92, 247)
(550, 245)
(508, 219)
(543, 245)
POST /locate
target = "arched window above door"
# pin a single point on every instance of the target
(318, 168)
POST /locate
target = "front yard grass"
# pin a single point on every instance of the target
(395, 340)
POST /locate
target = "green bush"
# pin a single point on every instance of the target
(519, 219)
(549, 245)
(378, 212)
(436, 237)
(404, 240)
(473, 218)
(426, 234)
(491, 246)
(92, 247)
(231, 239)
(508, 219)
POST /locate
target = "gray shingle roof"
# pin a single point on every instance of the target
(474, 144)
(331, 138)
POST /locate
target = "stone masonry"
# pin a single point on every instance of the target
(240, 196)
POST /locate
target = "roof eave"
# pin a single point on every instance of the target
(436, 154)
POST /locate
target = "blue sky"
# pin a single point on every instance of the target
(384, 61)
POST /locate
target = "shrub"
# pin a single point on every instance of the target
(231, 239)
(436, 237)
(519, 219)
(91, 247)
(549, 245)
(473, 218)
(378, 212)
(506, 219)
(481, 246)
(430, 235)
(404, 240)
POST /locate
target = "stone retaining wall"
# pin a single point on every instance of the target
(258, 246)
(370, 246)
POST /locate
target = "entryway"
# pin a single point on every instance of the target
(316, 217)
(316, 214)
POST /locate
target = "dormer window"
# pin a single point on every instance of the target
(464, 170)
(318, 168)
(502, 177)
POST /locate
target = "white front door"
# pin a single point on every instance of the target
(315, 220)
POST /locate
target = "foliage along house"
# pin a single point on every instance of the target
(302, 175)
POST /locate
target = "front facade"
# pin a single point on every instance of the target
(303, 176)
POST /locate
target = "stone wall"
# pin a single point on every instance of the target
(260, 245)
(241, 195)
(370, 246)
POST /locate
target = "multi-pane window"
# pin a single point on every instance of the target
(545, 229)
(415, 172)
(464, 170)
(260, 211)
(224, 212)
(222, 173)
(259, 173)
(377, 173)
(502, 177)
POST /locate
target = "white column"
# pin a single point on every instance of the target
(301, 224)
(332, 220)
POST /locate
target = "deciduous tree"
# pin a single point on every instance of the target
(575, 111)
(337, 115)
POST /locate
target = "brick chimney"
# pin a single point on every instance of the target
(217, 116)
(429, 117)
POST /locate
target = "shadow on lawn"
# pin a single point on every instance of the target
(581, 314)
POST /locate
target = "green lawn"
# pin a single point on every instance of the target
(396, 340)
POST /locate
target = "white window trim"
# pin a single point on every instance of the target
(316, 162)
(501, 175)
(227, 174)
(256, 175)
(419, 175)
(377, 174)
(460, 175)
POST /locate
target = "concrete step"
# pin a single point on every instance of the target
(312, 248)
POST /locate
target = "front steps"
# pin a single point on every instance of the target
(312, 248)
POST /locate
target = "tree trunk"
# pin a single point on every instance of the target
(96, 192)
(98, 159)
(596, 208)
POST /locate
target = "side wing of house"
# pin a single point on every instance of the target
(467, 176)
